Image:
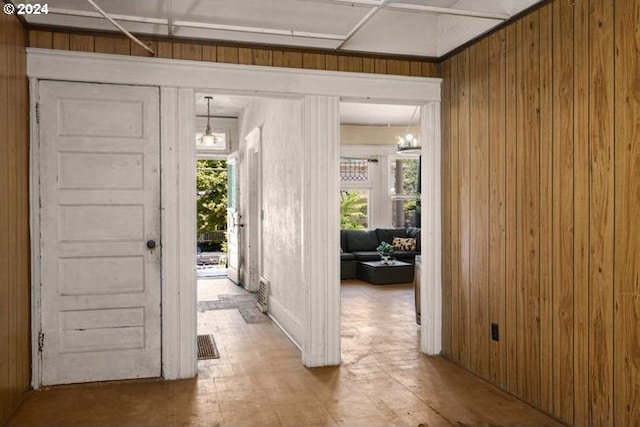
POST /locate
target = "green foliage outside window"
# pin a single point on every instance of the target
(353, 210)
(211, 185)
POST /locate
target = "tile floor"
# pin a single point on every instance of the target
(259, 380)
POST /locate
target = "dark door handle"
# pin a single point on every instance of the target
(151, 244)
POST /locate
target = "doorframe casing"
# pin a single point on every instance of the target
(253, 213)
(178, 81)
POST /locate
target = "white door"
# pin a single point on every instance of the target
(233, 220)
(253, 223)
(100, 220)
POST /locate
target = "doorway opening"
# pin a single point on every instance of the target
(211, 211)
(379, 203)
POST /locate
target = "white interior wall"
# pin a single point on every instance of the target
(281, 125)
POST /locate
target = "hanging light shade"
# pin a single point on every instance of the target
(408, 143)
(207, 137)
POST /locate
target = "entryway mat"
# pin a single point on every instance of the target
(207, 347)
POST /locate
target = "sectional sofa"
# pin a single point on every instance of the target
(360, 245)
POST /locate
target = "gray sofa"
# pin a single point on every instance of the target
(360, 245)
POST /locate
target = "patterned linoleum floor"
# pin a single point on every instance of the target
(259, 379)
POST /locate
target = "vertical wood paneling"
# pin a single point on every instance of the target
(41, 39)
(15, 352)
(380, 66)
(23, 251)
(601, 211)
(479, 163)
(288, 59)
(137, 50)
(454, 148)
(209, 53)
(570, 193)
(429, 69)
(446, 220)
(497, 205)
(228, 54)
(368, 65)
(416, 68)
(464, 315)
(627, 205)
(511, 291)
(114, 45)
(262, 57)
(165, 50)
(61, 41)
(528, 210)
(190, 51)
(81, 42)
(349, 64)
(397, 66)
(546, 208)
(331, 62)
(562, 234)
(313, 61)
(245, 56)
(6, 67)
(12, 154)
(581, 212)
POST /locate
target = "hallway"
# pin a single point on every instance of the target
(259, 380)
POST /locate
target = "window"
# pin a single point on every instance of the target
(403, 191)
(354, 209)
(354, 170)
(354, 193)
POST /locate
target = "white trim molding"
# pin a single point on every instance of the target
(211, 76)
(34, 229)
(179, 298)
(431, 271)
(320, 225)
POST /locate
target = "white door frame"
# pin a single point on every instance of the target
(253, 218)
(178, 80)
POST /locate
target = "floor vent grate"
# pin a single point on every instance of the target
(207, 347)
(263, 295)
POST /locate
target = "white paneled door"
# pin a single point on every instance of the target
(233, 220)
(100, 232)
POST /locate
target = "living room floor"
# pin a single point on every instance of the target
(259, 380)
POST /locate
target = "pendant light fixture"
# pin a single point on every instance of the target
(207, 137)
(408, 143)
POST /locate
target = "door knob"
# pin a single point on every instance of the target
(151, 244)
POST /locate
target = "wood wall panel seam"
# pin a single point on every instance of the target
(546, 208)
(601, 211)
(233, 54)
(14, 232)
(627, 204)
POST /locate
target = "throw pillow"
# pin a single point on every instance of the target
(404, 244)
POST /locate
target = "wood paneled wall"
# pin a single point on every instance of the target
(541, 131)
(248, 55)
(15, 355)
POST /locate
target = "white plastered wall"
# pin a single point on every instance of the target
(280, 122)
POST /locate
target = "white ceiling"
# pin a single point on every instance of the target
(428, 28)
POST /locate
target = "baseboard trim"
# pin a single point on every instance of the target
(286, 321)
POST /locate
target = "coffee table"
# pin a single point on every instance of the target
(383, 274)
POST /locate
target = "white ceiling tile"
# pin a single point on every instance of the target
(389, 31)
(401, 32)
